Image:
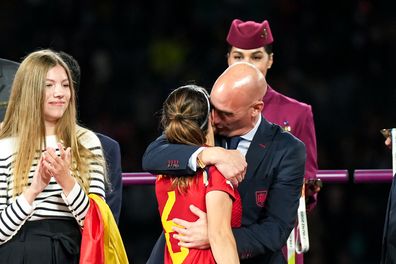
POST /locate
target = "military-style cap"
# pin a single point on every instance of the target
(249, 34)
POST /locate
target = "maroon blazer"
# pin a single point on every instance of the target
(297, 118)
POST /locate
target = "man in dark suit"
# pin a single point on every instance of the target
(112, 153)
(388, 252)
(7, 72)
(274, 177)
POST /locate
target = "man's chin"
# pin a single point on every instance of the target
(221, 132)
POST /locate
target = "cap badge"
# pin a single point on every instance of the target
(264, 34)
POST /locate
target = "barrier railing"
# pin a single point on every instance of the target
(332, 176)
(372, 176)
(129, 178)
(327, 176)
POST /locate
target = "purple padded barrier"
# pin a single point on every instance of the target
(129, 178)
(372, 176)
(331, 176)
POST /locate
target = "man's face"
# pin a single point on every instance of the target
(258, 57)
(230, 118)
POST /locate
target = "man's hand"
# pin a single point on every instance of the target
(194, 234)
(312, 187)
(231, 163)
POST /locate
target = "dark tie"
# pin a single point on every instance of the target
(232, 142)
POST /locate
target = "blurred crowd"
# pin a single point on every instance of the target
(338, 56)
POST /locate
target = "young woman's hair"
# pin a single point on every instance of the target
(185, 120)
(24, 120)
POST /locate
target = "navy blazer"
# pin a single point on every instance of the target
(112, 154)
(7, 73)
(270, 192)
(388, 253)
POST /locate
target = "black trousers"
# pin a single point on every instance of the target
(44, 241)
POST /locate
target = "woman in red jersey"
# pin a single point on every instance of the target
(186, 120)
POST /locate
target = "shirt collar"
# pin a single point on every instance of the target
(249, 135)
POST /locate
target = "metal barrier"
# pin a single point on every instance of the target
(327, 176)
(331, 176)
(129, 178)
(372, 176)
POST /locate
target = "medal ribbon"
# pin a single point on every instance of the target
(298, 240)
(302, 243)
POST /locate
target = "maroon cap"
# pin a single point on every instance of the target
(249, 34)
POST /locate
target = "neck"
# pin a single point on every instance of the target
(49, 128)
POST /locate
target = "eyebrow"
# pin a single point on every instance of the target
(52, 80)
(253, 53)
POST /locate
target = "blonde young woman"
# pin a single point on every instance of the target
(186, 120)
(48, 166)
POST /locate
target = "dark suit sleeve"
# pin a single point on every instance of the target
(112, 153)
(7, 73)
(161, 157)
(270, 233)
(158, 253)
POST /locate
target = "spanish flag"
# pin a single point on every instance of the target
(101, 239)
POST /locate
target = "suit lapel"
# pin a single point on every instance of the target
(259, 147)
(258, 150)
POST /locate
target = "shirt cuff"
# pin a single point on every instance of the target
(26, 207)
(192, 162)
(73, 194)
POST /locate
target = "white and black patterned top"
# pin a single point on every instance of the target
(51, 203)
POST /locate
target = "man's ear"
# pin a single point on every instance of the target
(258, 107)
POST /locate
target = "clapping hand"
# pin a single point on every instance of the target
(59, 167)
(40, 180)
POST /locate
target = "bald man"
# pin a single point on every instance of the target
(276, 159)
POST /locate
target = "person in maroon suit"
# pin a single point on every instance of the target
(252, 42)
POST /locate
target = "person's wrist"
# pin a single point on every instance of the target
(209, 156)
(30, 195)
(200, 163)
(68, 185)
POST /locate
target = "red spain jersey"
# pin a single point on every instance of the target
(173, 204)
